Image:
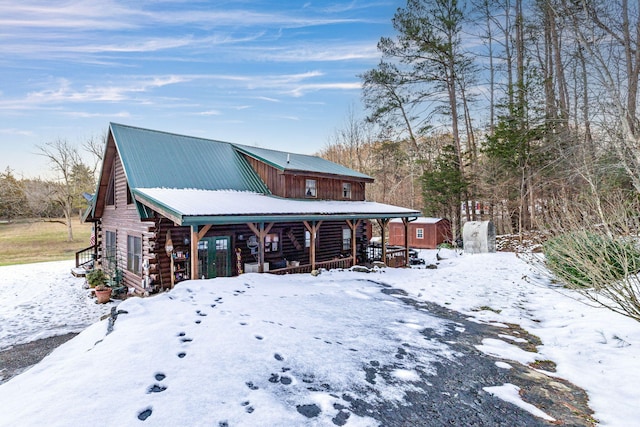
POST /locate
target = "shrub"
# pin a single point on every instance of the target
(602, 268)
(584, 259)
(96, 277)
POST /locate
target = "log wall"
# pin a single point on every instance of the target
(123, 219)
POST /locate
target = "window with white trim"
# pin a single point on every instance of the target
(110, 250)
(310, 188)
(419, 233)
(134, 254)
(272, 243)
(346, 190)
(346, 239)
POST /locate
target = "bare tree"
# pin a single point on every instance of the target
(609, 36)
(64, 159)
(95, 146)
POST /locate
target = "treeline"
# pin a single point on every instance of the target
(510, 110)
(64, 195)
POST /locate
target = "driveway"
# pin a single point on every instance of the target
(454, 395)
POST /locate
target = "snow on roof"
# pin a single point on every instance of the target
(421, 220)
(194, 202)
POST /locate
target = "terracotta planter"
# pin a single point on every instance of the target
(103, 296)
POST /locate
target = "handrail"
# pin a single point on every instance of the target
(86, 255)
(306, 268)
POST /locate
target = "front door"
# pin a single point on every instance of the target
(214, 257)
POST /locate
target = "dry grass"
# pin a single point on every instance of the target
(38, 241)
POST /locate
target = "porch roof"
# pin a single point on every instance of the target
(199, 207)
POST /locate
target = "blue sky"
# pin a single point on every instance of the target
(277, 74)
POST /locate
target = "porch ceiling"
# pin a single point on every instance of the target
(197, 207)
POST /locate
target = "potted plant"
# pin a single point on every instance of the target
(97, 279)
(103, 293)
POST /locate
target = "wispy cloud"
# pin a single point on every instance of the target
(65, 92)
(88, 115)
(265, 98)
(210, 113)
(110, 14)
(12, 131)
(318, 52)
(314, 87)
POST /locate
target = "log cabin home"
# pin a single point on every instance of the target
(171, 207)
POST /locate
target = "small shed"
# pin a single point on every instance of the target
(424, 232)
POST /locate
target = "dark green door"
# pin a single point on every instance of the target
(214, 257)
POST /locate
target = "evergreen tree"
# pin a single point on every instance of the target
(13, 201)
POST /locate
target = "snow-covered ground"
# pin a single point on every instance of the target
(255, 347)
(42, 300)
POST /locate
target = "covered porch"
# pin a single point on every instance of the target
(333, 230)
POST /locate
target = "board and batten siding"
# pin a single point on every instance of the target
(123, 219)
(292, 185)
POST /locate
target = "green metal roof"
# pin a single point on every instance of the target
(154, 159)
(299, 162)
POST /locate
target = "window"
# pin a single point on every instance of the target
(346, 239)
(129, 195)
(272, 243)
(419, 233)
(110, 250)
(110, 198)
(307, 239)
(310, 188)
(346, 190)
(134, 254)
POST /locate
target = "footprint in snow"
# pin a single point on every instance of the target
(145, 414)
(157, 388)
(249, 409)
(183, 337)
(284, 380)
(309, 411)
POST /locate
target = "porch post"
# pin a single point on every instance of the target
(194, 252)
(353, 226)
(260, 231)
(261, 235)
(405, 221)
(313, 229)
(196, 236)
(382, 222)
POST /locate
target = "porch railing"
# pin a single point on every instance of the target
(306, 268)
(396, 258)
(86, 255)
